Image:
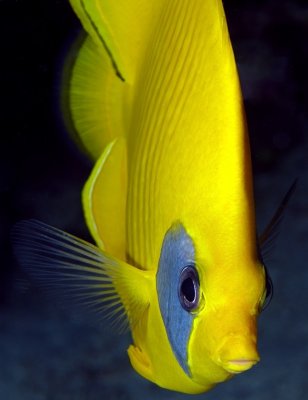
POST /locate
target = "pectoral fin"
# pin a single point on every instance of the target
(77, 273)
(104, 199)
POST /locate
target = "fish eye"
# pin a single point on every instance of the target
(188, 290)
(269, 291)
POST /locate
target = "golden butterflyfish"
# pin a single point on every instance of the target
(155, 98)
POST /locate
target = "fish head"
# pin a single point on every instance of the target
(209, 306)
(223, 340)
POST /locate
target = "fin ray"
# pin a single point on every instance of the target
(270, 233)
(77, 271)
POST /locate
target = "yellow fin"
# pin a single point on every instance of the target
(79, 273)
(140, 361)
(104, 199)
(95, 97)
(122, 27)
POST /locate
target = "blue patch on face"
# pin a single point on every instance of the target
(178, 290)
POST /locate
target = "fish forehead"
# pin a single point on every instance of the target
(188, 148)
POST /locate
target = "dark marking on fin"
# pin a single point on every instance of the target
(269, 289)
(117, 71)
(267, 238)
(270, 232)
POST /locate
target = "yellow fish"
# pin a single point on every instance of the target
(156, 100)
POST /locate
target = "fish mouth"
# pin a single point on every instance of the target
(238, 365)
(237, 354)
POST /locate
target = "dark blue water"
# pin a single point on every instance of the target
(48, 353)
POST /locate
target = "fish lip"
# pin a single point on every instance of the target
(237, 366)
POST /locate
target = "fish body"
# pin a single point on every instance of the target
(156, 99)
(190, 163)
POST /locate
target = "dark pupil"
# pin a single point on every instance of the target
(188, 289)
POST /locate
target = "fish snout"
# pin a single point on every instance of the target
(237, 354)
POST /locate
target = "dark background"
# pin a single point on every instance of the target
(48, 353)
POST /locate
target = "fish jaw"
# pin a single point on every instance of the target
(223, 344)
(240, 365)
(238, 354)
(151, 354)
